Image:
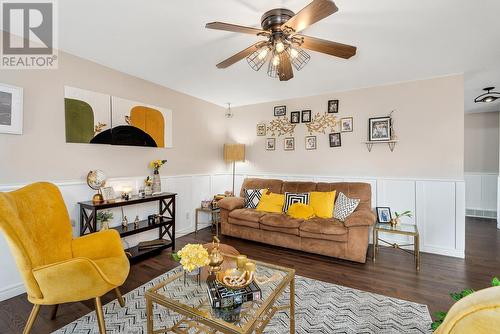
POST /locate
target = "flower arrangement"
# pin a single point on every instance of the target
(192, 256)
(156, 164)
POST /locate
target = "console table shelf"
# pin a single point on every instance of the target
(165, 226)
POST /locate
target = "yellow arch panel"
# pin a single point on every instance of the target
(151, 121)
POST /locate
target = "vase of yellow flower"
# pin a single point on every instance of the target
(192, 257)
(156, 165)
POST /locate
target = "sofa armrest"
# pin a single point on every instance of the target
(360, 218)
(231, 203)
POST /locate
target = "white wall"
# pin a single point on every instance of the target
(429, 124)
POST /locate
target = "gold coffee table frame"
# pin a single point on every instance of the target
(402, 229)
(195, 318)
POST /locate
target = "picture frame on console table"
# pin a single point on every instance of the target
(384, 215)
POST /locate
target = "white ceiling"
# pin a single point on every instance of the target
(398, 40)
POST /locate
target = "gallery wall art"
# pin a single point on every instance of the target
(98, 118)
(11, 109)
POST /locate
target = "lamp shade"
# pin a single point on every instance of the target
(234, 152)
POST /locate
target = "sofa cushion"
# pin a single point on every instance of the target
(251, 215)
(280, 220)
(271, 184)
(323, 203)
(322, 236)
(298, 187)
(252, 197)
(241, 222)
(360, 190)
(344, 206)
(300, 211)
(285, 230)
(292, 198)
(323, 226)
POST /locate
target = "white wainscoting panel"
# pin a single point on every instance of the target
(481, 194)
(439, 208)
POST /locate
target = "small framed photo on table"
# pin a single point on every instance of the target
(384, 214)
(108, 193)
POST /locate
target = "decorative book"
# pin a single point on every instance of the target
(221, 297)
(152, 244)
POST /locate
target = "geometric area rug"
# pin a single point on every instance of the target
(321, 307)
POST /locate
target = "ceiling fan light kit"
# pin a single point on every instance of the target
(488, 97)
(284, 46)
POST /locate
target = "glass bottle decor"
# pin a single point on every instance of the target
(156, 182)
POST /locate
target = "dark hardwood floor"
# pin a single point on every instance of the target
(393, 274)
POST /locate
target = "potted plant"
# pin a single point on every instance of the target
(156, 165)
(397, 219)
(104, 217)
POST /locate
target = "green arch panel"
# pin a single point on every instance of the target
(79, 121)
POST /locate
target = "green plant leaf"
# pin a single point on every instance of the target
(176, 257)
(436, 324)
(440, 315)
(467, 292)
(495, 281)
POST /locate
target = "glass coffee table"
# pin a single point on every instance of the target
(401, 229)
(189, 299)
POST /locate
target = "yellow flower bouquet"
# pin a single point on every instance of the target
(192, 256)
(156, 164)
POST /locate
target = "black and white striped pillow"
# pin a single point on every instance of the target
(292, 198)
(344, 206)
(252, 197)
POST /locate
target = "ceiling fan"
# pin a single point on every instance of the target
(284, 45)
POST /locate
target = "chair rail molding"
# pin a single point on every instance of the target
(438, 204)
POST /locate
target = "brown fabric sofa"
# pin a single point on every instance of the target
(346, 240)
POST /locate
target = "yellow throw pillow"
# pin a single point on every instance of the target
(271, 202)
(323, 203)
(300, 211)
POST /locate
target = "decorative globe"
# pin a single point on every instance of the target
(96, 179)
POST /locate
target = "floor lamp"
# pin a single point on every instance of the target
(234, 153)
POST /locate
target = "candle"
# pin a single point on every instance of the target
(250, 266)
(241, 260)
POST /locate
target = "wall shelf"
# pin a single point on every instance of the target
(390, 143)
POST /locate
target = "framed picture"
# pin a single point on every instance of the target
(280, 111)
(295, 117)
(333, 106)
(270, 144)
(11, 109)
(335, 139)
(289, 144)
(311, 142)
(306, 116)
(261, 129)
(346, 124)
(379, 129)
(384, 215)
(108, 193)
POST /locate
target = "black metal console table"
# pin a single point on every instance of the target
(165, 226)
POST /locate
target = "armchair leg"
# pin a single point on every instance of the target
(31, 319)
(100, 315)
(119, 297)
(53, 314)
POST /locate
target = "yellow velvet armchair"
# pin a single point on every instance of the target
(478, 313)
(55, 267)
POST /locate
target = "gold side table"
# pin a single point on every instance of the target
(215, 212)
(401, 229)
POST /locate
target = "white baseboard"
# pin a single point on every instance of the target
(12, 291)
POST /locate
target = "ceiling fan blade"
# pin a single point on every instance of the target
(332, 48)
(285, 70)
(233, 28)
(312, 13)
(240, 55)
